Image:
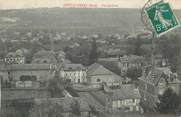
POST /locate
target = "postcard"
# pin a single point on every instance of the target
(90, 58)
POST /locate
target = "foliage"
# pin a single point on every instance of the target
(134, 73)
(75, 107)
(169, 102)
(93, 54)
(16, 108)
(79, 54)
(135, 46)
(9, 112)
(46, 109)
(169, 47)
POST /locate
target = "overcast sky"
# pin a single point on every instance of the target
(19, 4)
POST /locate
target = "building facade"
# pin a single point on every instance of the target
(155, 84)
(123, 99)
(75, 73)
(26, 75)
(98, 74)
(126, 62)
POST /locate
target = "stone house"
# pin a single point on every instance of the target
(26, 75)
(75, 73)
(126, 62)
(123, 99)
(154, 84)
(98, 74)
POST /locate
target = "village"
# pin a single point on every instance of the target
(116, 83)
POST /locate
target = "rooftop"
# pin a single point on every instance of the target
(97, 69)
(44, 53)
(72, 92)
(86, 96)
(72, 67)
(125, 92)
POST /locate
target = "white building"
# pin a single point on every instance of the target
(76, 73)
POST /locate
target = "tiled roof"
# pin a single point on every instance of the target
(100, 96)
(156, 74)
(86, 96)
(125, 92)
(27, 67)
(66, 103)
(97, 69)
(72, 92)
(44, 54)
(73, 67)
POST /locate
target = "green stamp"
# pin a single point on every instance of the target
(162, 18)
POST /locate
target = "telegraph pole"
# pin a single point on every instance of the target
(147, 25)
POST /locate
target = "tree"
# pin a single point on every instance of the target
(9, 112)
(138, 47)
(75, 107)
(93, 54)
(134, 73)
(16, 108)
(135, 46)
(169, 48)
(169, 102)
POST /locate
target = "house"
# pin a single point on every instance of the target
(154, 83)
(98, 74)
(66, 105)
(129, 61)
(123, 99)
(110, 63)
(126, 99)
(75, 73)
(26, 75)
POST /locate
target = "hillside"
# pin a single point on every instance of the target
(73, 20)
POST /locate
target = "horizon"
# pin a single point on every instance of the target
(33, 4)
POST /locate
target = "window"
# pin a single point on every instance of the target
(131, 108)
(98, 80)
(137, 108)
(28, 78)
(68, 80)
(45, 61)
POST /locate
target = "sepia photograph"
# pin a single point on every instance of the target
(90, 58)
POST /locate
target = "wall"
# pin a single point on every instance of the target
(12, 94)
(103, 78)
(75, 75)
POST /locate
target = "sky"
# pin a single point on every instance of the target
(22, 4)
